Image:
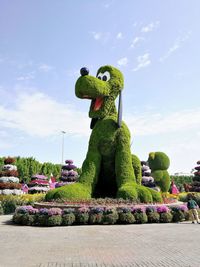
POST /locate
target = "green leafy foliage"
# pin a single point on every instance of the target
(126, 218)
(29, 166)
(140, 217)
(137, 169)
(153, 217)
(68, 219)
(54, 220)
(166, 217)
(181, 180)
(159, 163)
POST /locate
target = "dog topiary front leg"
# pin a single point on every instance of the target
(84, 188)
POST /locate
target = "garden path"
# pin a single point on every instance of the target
(148, 245)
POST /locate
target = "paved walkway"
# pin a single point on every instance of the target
(153, 245)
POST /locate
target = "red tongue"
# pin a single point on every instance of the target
(98, 103)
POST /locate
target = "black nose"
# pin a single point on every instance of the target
(84, 71)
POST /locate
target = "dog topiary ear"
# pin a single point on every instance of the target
(119, 119)
(93, 122)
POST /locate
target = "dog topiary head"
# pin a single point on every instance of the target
(158, 161)
(102, 90)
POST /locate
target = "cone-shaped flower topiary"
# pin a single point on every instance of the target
(9, 182)
(68, 174)
(39, 184)
(147, 179)
(195, 185)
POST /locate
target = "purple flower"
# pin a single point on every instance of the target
(96, 210)
(43, 211)
(64, 173)
(54, 211)
(72, 173)
(162, 209)
(68, 211)
(124, 210)
(33, 211)
(109, 210)
(40, 177)
(182, 208)
(68, 167)
(138, 208)
(24, 209)
(83, 209)
(69, 161)
(151, 209)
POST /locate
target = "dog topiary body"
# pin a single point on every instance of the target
(107, 170)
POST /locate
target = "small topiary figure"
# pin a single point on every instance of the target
(159, 163)
(107, 170)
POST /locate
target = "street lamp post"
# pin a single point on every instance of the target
(63, 140)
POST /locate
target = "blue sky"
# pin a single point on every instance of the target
(43, 45)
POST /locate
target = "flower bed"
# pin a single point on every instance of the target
(137, 214)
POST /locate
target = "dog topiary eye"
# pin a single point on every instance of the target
(104, 76)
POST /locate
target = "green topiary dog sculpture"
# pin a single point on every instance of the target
(159, 163)
(107, 170)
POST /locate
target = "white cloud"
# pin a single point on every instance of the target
(175, 133)
(177, 44)
(119, 36)
(26, 77)
(122, 61)
(143, 61)
(45, 67)
(40, 115)
(156, 123)
(101, 36)
(136, 40)
(150, 27)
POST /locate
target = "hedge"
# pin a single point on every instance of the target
(28, 215)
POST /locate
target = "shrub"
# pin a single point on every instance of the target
(165, 217)
(96, 215)
(68, 219)
(153, 217)
(42, 220)
(125, 216)
(110, 216)
(178, 216)
(28, 219)
(1, 209)
(82, 218)
(152, 214)
(140, 217)
(9, 205)
(54, 220)
(82, 215)
(24, 218)
(17, 218)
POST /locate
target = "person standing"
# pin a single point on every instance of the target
(192, 207)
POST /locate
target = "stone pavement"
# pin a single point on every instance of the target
(153, 245)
